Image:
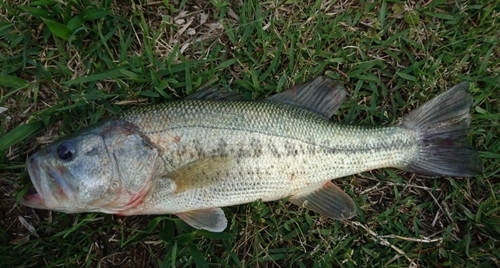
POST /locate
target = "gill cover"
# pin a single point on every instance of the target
(136, 163)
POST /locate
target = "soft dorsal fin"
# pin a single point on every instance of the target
(214, 93)
(322, 95)
(210, 219)
(328, 200)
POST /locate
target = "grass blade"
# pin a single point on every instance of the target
(12, 81)
(58, 29)
(19, 134)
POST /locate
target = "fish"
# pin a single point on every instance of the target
(194, 156)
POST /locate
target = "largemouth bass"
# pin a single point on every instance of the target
(192, 157)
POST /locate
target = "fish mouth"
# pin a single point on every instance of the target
(42, 197)
(34, 196)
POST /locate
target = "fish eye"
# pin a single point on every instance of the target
(65, 151)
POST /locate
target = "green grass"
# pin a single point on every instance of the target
(68, 64)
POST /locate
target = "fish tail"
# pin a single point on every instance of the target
(442, 125)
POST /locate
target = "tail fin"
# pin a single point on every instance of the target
(442, 125)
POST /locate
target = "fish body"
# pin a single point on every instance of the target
(192, 157)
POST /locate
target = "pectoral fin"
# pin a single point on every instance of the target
(329, 200)
(200, 173)
(211, 219)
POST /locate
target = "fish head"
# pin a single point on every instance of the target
(99, 170)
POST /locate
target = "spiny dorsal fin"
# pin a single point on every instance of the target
(322, 95)
(328, 200)
(214, 93)
(210, 219)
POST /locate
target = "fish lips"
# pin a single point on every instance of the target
(49, 184)
(34, 197)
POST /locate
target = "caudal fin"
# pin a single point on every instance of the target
(443, 125)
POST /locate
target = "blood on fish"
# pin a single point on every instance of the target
(134, 202)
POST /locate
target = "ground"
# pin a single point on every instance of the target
(68, 64)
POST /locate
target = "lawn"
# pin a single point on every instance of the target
(68, 64)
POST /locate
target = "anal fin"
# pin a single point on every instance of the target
(328, 200)
(211, 219)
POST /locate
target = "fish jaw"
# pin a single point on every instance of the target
(49, 186)
(34, 197)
